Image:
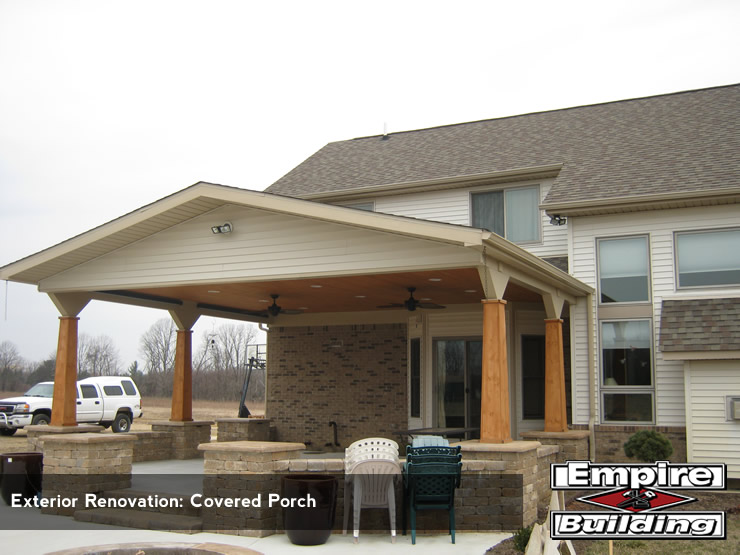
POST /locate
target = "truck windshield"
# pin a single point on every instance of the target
(41, 390)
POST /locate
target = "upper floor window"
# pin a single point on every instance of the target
(708, 258)
(624, 270)
(511, 213)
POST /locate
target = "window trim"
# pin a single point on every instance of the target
(626, 389)
(649, 300)
(537, 186)
(676, 273)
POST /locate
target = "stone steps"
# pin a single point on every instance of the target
(143, 520)
(169, 505)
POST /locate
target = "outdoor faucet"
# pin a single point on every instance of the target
(336, 442)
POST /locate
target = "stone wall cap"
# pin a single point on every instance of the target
(546, 450)
(252, 446)
(90, 428)
(474, 445)
(176, 423)
(570, 434)
(238, 420)
(87, 438)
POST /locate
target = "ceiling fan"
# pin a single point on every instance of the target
(274, 309)
(412, 303)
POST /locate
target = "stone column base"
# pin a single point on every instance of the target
(34, 433)
(186, 436)
(77, 464)
(573, 443)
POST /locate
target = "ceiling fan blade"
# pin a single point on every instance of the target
(429, 305)
(394, 305)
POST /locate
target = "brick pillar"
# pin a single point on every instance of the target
(64, 403)
(495, 425)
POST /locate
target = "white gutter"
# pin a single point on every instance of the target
(590, 319)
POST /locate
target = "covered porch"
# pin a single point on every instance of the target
(349, 342)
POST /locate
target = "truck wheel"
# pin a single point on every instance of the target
(122, 422)
(7, 431)
(41, 420)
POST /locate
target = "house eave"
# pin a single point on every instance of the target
(640, 203)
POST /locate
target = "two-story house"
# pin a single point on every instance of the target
(576, 268)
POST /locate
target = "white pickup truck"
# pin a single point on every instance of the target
(109, 401)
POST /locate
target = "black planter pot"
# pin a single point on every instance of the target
(21, 474)
(309, 525)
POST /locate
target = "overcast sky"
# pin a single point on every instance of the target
(107, 106)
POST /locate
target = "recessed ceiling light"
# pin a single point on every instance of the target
(317, 286)
(302, 308)
(470, 291)
(425, 299)
(264, 301)
(435, 279)
(214, 291)
(360, 296)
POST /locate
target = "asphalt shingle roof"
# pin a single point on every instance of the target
(681, 142)
(700, 325)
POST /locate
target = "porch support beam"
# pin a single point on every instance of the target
(64, 401)
(495, 425)
(555, 414)
(182, 386)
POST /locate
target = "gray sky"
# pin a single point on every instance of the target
(107, 106)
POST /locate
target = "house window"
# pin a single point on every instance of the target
(627, 371)
(511, 213)
(415, 378)
(708, 258)
(624, 270)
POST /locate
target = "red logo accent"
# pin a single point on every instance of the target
(636, 500)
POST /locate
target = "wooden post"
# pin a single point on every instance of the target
(495, 422)
(64, 402)
(182, 387)
(556, 419)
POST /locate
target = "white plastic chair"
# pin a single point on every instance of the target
(372, 482)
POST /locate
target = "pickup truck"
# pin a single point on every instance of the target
(109, 401)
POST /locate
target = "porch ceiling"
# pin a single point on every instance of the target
(342, 294)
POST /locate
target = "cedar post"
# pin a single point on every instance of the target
(64, 402)
(555, 410)
(182, 387)
(495, 425)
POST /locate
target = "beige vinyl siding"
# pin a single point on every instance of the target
(579, 362)
(710, 437)
(526, 322)
(263, 245)
(453, 206)
(659, 226)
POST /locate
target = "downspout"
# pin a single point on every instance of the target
(590, 319)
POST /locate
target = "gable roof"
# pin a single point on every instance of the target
(675, 144)
(700, 325)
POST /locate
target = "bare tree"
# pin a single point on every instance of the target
(11, 365)
(157, 347)
(97, 356)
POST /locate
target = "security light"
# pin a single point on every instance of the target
(224, 228)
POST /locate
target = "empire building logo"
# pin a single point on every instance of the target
(636, 499)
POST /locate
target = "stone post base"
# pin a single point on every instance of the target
(245, 469)
(77, 464)
(186, 436)
(243, 429)
(573, 443)
(34, 433)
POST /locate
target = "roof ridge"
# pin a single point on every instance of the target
(577, 107)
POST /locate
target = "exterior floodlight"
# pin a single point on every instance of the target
(225, 228)
(557, 219)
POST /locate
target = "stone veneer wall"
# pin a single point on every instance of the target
(353, 375)
(610, 441)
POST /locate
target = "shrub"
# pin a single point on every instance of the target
(521, 538)
(648, 446)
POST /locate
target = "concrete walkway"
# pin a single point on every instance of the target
(26, 530)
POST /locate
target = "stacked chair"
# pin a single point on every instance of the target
(371, 467)
(431, 475)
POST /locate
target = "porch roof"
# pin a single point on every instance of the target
(44, 268)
